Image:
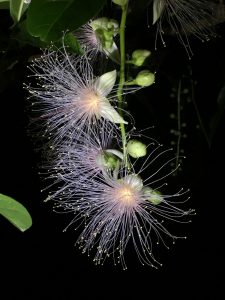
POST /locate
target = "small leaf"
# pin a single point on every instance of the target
(158, 7)
(15, 212)
(48, 19)
(71, 41)
(17, 8)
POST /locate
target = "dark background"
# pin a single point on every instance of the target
(42, 263)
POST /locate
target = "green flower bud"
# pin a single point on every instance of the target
(99, 23)
(139, 56)
(153, 196)
(113, 25)
(136, 148)
(110, 161)
(108, 35)
(105, 23)
(145, 78)
(120, 2)
(105, 30)
(107, 45)
(106, 38)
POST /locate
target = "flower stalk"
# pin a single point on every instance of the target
(122, 78)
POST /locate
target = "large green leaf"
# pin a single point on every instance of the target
(15, 212)
(4, 4)
(17, 8)
(47, 19)
(21, 35)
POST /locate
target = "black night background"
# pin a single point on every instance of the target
(42, 262)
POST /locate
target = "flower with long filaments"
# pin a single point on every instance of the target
(68, 97)
(97, 37)
(185, 17)
(121, 210)
(88, 40)
(86, 156)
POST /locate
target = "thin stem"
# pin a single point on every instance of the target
(200, 121)
(122, 77)
(198, 115)
(178, 124)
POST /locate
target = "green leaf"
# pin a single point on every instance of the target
(158, 7)
(71, 41)
(21, 35)
(15, 212)
(17, 8)
(48, 19)
(4, 4)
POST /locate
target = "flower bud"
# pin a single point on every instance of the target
(105, 29)
(139, 56)
(152, 196)
(120, 2)
(106, 37)
(136, 149)
(145, 78)
(113, 25)
(105, 23)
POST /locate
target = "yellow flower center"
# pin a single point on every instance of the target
(126, 196)
(91, 102)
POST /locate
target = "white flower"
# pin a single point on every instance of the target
(119, 209)
(86, 156)
(69, 98)
(97, 36)
(185, 17)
